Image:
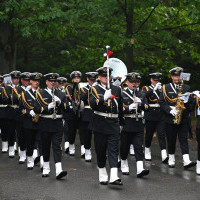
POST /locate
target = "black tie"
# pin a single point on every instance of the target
(177, 88)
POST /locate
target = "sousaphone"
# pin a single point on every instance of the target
(119, 68)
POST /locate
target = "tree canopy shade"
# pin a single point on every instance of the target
(61, 36)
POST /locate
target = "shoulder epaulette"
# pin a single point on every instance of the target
(67, 92)
(18, 95)
(25, 103)
(94, 93)
(166, 97)
(146, 87)
(40, 100)
(5, 93)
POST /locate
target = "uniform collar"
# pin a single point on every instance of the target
(49, 90)
(104, 86)
(33, 90)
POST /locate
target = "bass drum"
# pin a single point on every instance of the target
(119, 68)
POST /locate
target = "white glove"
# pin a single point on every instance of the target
(51, 105)
(57, 99)
(32, 113)
(120, 128)
(137, 100)
(158, 86)
(185, 98)
(132, 106)
(196, 93)
(173, 112)
(107, 95)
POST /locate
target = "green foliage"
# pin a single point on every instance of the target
(62, 36)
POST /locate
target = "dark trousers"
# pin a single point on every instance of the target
(73, 126)
(20, 135)
(190, 134)
(198, 141)
(31, 138)
(85, 133)
(3, 130)
(135, 138)
(66, 131)
(106, 142)
(172, 131)
(151, 128)
(38, 142)
(10, 126)
(54, 138)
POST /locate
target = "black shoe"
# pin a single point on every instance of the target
(61, 175)
(104, 182)
(11, 156)
(171, 166)
(125, 173)
(83, 156)
(192, 164)
(119, 164)
(88, 160)
(37, 160)
(67, 150)
(4, 151)
(117, 182)
(41, 169)
(21, 162)
(30, 168)
(165, 161)
(45, 175)
(72, 154)
(147, 159)
(145, 172)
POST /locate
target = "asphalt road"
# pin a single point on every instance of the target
(18, 183)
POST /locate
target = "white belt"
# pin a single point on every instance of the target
(110, 115)
(3, 106)
(172, 107)
(52, 116)
(86, 106)
(14, 106)
(154, 105)
(133, 115)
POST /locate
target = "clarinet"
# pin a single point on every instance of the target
(136, 110)
(53, 100)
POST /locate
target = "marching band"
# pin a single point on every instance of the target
(117, 114)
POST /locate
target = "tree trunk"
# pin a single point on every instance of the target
(6, 49)
(129, 34)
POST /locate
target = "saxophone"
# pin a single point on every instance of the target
(36, 118)
(179, 106)
(53, 100)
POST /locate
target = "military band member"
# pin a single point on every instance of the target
(25, 81)
(168, 101)
(86, 115)
(62, 82)
(30, 119)
(197, 114)
(50, 105)
(10, 110)
(134, 103)
(2, 123)
(73, 117)
(108, 115)
(154, 117)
